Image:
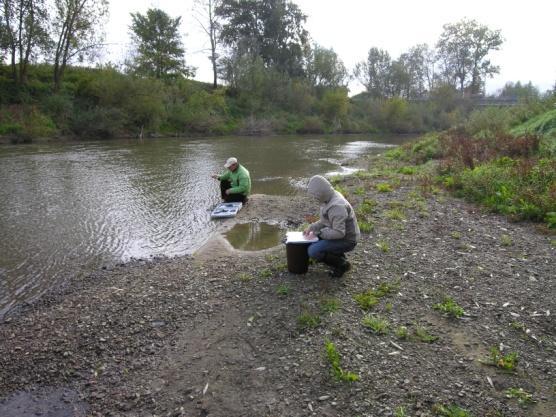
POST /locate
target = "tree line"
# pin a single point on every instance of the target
(274, 78)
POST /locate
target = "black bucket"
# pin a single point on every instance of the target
(298, 259)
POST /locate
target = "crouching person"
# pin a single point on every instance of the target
(336, 229)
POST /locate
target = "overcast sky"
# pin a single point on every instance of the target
(351, 27)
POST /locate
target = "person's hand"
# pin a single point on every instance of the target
(310, 235)
(227, 191)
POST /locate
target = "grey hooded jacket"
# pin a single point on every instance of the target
(337, 217)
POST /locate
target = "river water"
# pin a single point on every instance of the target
(66, 209)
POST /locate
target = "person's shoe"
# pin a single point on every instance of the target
(338, 263)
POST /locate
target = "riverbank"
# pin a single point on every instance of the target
(235, 335)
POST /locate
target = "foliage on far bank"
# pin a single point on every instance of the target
(497, 159)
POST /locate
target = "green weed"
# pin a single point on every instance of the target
(282, 290)
(366, 226)
(450, 307)
(377, 324)
(407, 170)
(456, 235)
(383, 246)
(450, 411)
(400, 412)
(359, 191)
(366, 207)
(402, 333)
(330, 304)
(507, 362)
(553, 242)
(395, 214)
(506, 240)
(523, 397)
(265, 273)
(384, 187)
(334, 359)
(366, 300)
(308, 321)
(245, 277)
(423, 335)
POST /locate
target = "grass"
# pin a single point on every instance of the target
(456, 235)
(283, 290)
(359, 191)
(523, 397)
(400, 412)
(366, 226)
(395, 214)
(307, 320)
(450, 411)
(384, 187)
(265, 273)
(402, 333)
(507, 362)
(245, 277)
(421, 334)
(377, 324)
(330, 304)
(450, 307)
(383, 246)
(506, 240)
(366, 300)
(367, 206)
(407, 170)
(334, 359)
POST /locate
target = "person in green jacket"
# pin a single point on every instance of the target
(235, 183)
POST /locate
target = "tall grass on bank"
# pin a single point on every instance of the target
(510, 171)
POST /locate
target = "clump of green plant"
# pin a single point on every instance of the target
(283, 290)
(450, 307)
(336, 179)
(395, 214)
(407, 170)
(456, 235)
(388, 307)
(386, 288)
(366, 300)
(245, 277)
(341, 190)
(384, 187)
(377, 324)
(553, 242)
(308, 320)
(359, 191)
(400, 411)
(270, 258)
(334, 358)
(450, 411)
(383, 246)
(523, 397)
(366, 207)
(508, 362)
(402, 333)
(365, 226)
(517, 325)
(506, 240)
(265, 273)
(330, 304)
(550, 219)
(423, 335)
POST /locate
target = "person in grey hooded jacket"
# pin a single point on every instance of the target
(337, 228)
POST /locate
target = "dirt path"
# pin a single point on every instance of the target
(237, 335)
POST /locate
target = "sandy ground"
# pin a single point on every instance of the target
(226, 333)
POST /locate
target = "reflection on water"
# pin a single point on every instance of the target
(254, 236)
(66, 209)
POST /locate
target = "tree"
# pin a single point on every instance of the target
(520, 91)
(23, 33)
(374, 73)
(463, 48)
(160, 52)
(77, 32)
(207, 19)
(325, 69)
(271, 29)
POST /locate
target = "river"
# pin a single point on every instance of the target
(67, 209)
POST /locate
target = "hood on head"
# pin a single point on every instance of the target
(320, 188)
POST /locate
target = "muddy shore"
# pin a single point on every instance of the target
(226, 333)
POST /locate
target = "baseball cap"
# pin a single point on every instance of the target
(230, 162)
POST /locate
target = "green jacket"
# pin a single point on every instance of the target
(240, 180)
